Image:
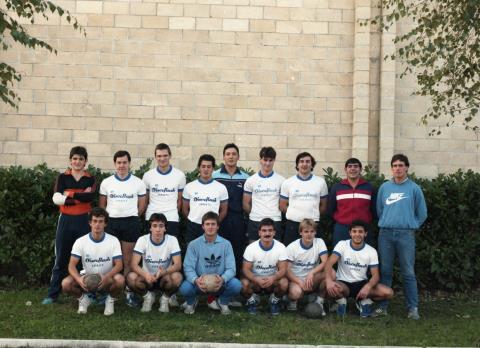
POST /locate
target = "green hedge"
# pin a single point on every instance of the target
(448, 245)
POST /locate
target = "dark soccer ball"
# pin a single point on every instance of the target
(313, 311)
(92, 281)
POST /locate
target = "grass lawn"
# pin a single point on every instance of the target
(449, 321)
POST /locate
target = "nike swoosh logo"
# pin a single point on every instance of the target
(393, 200)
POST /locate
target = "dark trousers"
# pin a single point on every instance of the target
(233, 229)
(69, 229)
(193, 231)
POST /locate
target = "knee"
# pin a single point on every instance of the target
(235, 285)
(67, 284)
(186, 288)
(176, 279)
(283, 284)
(294, 292)
(118, 281)
(389, 294)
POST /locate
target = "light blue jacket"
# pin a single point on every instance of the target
(401, 206)
(203, 257)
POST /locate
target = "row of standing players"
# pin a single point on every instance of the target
(399, 206)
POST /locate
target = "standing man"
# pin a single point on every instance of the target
(165, 186)
(232, 227)
(302, 196)
(261, 195)
(99, 253)
(401, 210)
(201, 196)
(351, 199)
(209, 254)
(73, 193)
(123, 196)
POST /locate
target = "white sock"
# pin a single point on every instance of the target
(341, 301)
(319, 300)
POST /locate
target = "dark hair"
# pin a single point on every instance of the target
(210, 216)
(400, 157)
(230, 146)
(353, 160)
(268, 152)
(358, 223)
(98, 212)
(78, 150)
(304, 154)
(266, 222)
(206, 157)
(162, 146)
(121, 153)
(158, 217)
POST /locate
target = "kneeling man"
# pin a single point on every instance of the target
(206, 255)
(161, 265)
(355, 258)
(264, 269)
(101, 254)
(306, 262)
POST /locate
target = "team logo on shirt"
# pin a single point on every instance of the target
(395, 197)
(354, 264)
(158, 262)
(213, 261)
(156, 189)
(120, 196)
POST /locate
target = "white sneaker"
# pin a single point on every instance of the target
(148, 300)
(214, 305)
(164, 300)
(190, 309)
(292, 306)
(173, 302)
(224, 308)
(109, 310)
(83, 302)
(319, 301)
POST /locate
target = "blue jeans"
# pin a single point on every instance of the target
(225, 294)
(399, 242)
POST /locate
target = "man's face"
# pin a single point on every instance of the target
(308, 234)
(305, 166)
(206, 170)
(163, 158)
(97, 224)
(230, 157)
(266, 164)
(122, 166)
(266, 233)
(157, 228)
(399, 170)
(353, 171)
(78, 162)
(358, 234)
(210, 227)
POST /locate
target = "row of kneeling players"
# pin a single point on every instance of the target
(304, 267)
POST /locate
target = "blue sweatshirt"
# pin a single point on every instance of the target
(209, 258)
(401, 206)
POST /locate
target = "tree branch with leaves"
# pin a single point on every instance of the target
(442, 50)
(10, 29)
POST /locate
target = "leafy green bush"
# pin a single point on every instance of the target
(448, 244)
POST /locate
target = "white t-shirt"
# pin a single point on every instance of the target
(265, 193)
(204, 197)
(304, 197)
(305, 259)
(354, 263)
(265, 260)
(163, 189)
(97, 256)
(122, 195)
(154, 255)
